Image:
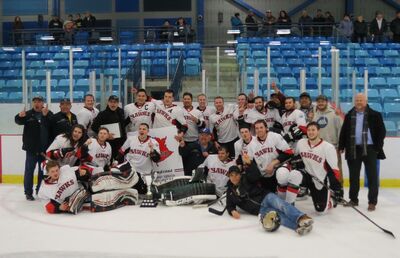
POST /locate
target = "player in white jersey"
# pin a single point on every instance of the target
(224, 126)
(97, 151)
(242, 107)
(87, 114)
(293, 122)
(194, 119)
(65, 146)
(206, 110)
(168, 114)
(320, 161)
(141, 151)
(216, 169)
(142, 111)
(241, 145)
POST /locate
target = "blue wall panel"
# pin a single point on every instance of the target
(24, 7)
(93, 6)
(160, 21)
(126, 6)
(7, 31)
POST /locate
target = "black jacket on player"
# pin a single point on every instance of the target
(60, 124)
(192, 155)
(249, 194)
(108, 116)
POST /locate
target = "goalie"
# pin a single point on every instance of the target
(63, 193)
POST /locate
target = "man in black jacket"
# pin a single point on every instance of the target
(113, 114)
(193, 154)
(245, 191)
(395, 28)
(62, 121)
(35, 141)
(361, 137)
(378, 27)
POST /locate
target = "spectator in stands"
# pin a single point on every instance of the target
(305, 22)
(378, 28)
(252, 25)
(78, 21)
(360, 30)
(89, 21)
(62, 121)
(17, 27)
(361, 138)
(182, 29)
(69, 26)
(56, 26)
(269, 22)
(35, 141)
(166, 32)
(330, 22)
(319, 23)
(395, 27)
(284, 21)
(237, 24)
(346, 27)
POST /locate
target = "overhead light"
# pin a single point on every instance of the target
(324, 43)
(229, 51)
(283, 32)
(106, 39)
(8, 49)
(47, 38)
(133, 52)
(178, 44)
(233, 32)
(275, 43)
(231, 42)
(231, 54)
(32, 54)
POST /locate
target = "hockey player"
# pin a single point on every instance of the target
(65, 146)
(87, 114)
(167, 114)
(262, 112)
(61, 191)
(320, 161)
(216, 169)
(293, 122)
(242, 143)
(142, 111)
(206, 110)
(97, 151)
(244, 191)
(223, 125)
(194, 119)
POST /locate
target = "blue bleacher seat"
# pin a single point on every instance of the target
(377, 82)
(388, 95)
(292, 93)
(259, 54)
(81, 63)
(15, 97)
(392, 110)
(289, 82)
(250, 82)
(314, 71)
(295, 62)
(192, 66)
(373, 95)
(159, 67)
(57, 95)
(77, 95)
(261, 62)
(393, 81)
(126, 37)
(194, 53)
(14, 84)
(313, 93)
(60, 73)
(391, 129)
(326, 82)
(111, 72)
(3, 97)
(376, 53)
(61, 56)
(284, 71)
(346, 106)
(390, 53)
(376, 106)
(383, 71)
(278, 61)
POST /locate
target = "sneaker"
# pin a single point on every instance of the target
(271, 221)
(29, 197)
(371, 207)
(304, 230)
(302, 194)
(305, 225)
(350, 204)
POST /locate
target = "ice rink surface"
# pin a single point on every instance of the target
(27, 231)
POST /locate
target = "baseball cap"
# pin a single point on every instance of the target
(322, 97)
(235, 169)
(65, 100)
(305, 94)
(205, 130)
(113, 97)
(39, 98)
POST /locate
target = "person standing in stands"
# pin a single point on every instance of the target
(62, 122)
(78, 21)
(56, 26)
(89, 21)
(360, 30)
(395, 28)
(17, 33)
(269, 21)
(346, 27)
(319, 23)
(378, 28)
(305, 22)
(284, 21)
(251, 24)
(237, 24)
(330, 22)
(35, 140)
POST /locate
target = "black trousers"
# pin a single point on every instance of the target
(372, 174)
(230, 146)
(396, 38)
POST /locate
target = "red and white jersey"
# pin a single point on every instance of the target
(139, 153)
(318, 158)
(236, 113)
(270, 116)
(294, 117)
(264, 152)
(218, 172)
(241, 147)
(61, 142)
(192, 134)
(99, 155)
(139, 114)
(167, 116)
(58, 191)
(225, 124)
(207, 112)
(85, 117)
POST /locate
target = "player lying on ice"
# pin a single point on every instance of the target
(245, 191)
(63, 189)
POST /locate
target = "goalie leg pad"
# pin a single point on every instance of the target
(188, 194)
(111, 200)
(77, 199)
(113, 180)
(158, 189)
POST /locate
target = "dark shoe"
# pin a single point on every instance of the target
(351, 204)
(29, 197)
(371, 207)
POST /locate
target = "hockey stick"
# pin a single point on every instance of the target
(357, 210)
(204, 205)
(215, 211)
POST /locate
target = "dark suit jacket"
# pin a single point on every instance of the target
(374, 29)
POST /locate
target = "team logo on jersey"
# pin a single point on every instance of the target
(322, 121)
(164, 151)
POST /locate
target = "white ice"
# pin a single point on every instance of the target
(27, 231)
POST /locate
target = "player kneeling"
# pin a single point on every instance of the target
(63, 192)
(244, 191)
